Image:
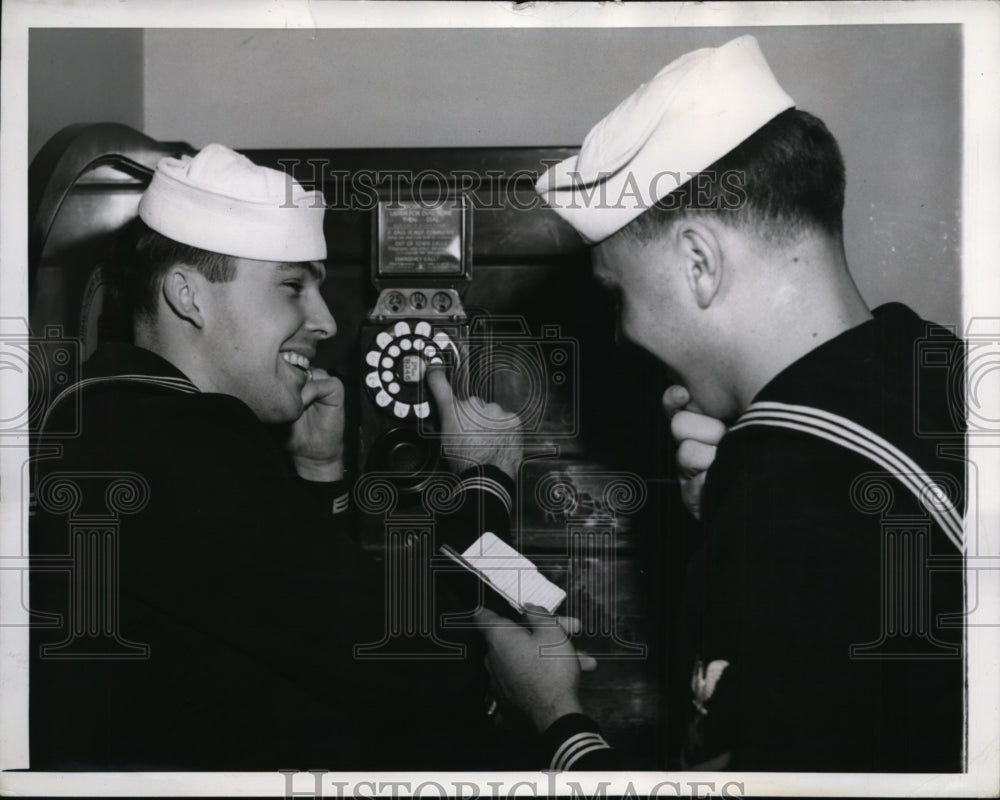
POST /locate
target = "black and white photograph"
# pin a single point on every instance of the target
(500, 399)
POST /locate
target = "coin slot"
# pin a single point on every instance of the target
(395, 301)
(441, 301)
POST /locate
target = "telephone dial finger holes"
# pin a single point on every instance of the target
(400, 357)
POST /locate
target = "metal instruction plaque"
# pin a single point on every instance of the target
(417, 239)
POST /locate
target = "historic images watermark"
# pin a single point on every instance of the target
(93, 502)
(968, 372)
(590, 526)
(321, 783)
(496, 189)
(51, 363)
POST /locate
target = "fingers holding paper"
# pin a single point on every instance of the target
(534, 666)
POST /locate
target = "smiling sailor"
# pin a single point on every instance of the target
(234, 594)
(240, 311)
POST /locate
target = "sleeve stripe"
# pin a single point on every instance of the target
(569, 743)
(487, 485)
(575, 746)
(571, 760)
(341, 503)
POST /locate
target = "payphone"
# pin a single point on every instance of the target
(421, 260)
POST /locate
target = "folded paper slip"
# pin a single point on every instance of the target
(508, 573)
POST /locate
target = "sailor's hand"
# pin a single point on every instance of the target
(477, 432)
(533, 666)
(316, 440)
(697, 437)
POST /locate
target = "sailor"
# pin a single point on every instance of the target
(235, 606)
(823, 639)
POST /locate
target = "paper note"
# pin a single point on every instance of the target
(511, 574)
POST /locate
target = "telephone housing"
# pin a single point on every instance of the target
(417, 322)
(397, 347)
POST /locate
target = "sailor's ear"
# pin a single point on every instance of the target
(701, 250)
(183, 290)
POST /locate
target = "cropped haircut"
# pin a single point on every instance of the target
(787, 178)
(143, 257)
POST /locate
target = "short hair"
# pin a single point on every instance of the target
(786, 178)
(142, 258)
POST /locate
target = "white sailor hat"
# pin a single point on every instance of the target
(221, 201)
(692, 113)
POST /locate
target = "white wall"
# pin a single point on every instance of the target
(82, 76)
(892, 95)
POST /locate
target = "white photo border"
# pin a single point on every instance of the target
(980, 255)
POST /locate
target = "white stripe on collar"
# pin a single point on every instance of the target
(165, 382)
(849, 434)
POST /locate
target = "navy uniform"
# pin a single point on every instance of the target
(830, 588)
(242, 581)
(827, 601)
